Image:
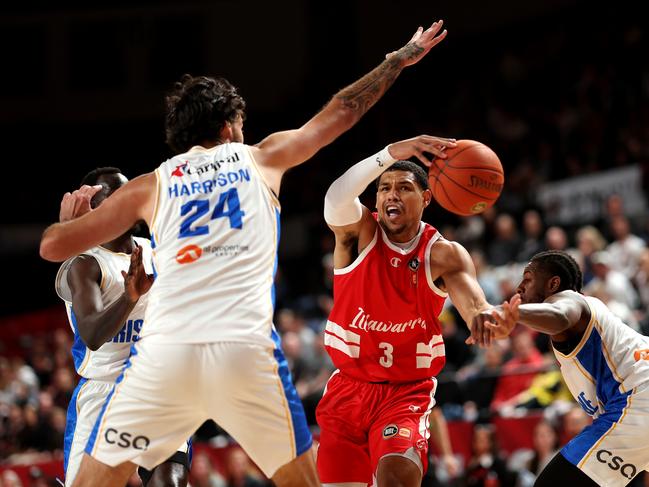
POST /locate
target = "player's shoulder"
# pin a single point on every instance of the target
(447, 251)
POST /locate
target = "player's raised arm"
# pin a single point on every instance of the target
(283, 150)
(122, 210)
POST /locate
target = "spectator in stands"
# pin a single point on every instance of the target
(9, 478)
(626, 249)
(486, 467)
(589, 241)
(240, 472)
(481, 378)
(556, 239)
(545, 389)
(573, 422)
(487, 278)
(529, 463)
(203, 473)
(517, 373)
(611, 283)
(504, 247)
(532, 242)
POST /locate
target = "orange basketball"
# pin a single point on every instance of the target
(469, 180)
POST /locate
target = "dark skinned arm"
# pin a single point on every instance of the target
(96, 323)
(555, 315)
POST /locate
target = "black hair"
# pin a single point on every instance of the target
(420, 175)
(198, 108)
(93, 176)
(559, 263)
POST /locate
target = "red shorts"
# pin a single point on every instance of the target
(361, 422)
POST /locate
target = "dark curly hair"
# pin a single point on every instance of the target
(558, 263)
(417, 171)
(198, 108)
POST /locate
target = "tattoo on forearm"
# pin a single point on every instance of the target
(360, 96)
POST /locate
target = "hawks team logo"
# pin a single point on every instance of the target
(179, 171)
(189, 254)
(389, 431)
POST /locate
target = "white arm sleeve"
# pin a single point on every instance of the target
(342, 206)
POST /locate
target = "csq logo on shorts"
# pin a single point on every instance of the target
(389, 431)
(615, 462)
(126, 440)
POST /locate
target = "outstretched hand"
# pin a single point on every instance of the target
(505, 319)
(77, 203)
(136, 281)
(418, 146)
(481, 335)
(420, 44)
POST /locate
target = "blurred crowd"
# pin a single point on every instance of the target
(543, 130)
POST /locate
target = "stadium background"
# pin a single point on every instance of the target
(559, 89)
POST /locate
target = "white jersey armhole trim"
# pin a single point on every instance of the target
(272, 195)
(156, 206)
(429, 276)
(361, 256)
(584, 338)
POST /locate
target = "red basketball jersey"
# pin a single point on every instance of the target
(384, 325)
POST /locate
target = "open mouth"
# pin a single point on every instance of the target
(392, 211)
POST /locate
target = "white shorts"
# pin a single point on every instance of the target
(167, 391)
(87, 401)
(614, 449)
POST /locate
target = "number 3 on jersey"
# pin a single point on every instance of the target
(227, 206)
(386, 360)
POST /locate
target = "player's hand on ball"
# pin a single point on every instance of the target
(419, 146)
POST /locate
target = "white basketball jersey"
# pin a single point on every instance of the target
(610, 360)
(214, 234)
(106, 362)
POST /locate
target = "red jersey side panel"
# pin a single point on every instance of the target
(384, 323)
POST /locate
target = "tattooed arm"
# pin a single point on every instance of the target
(282, 150)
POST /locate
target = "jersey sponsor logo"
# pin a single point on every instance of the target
(404, 432)
(126, 440)
(130, 332)
(390, 430)
(586, 404)
(226, 250)
(363, 321)
(179, 171)
(395, 261)
(641, 354)
(189, 254)
(185, 168)
(616, 463)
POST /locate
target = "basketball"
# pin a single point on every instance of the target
(469, 180)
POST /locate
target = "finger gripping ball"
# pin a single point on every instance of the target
(469, 180)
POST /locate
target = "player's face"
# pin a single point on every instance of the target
(237, 128)
(531, 287)
(400, 202)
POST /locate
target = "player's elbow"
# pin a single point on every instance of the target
(48, 250)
